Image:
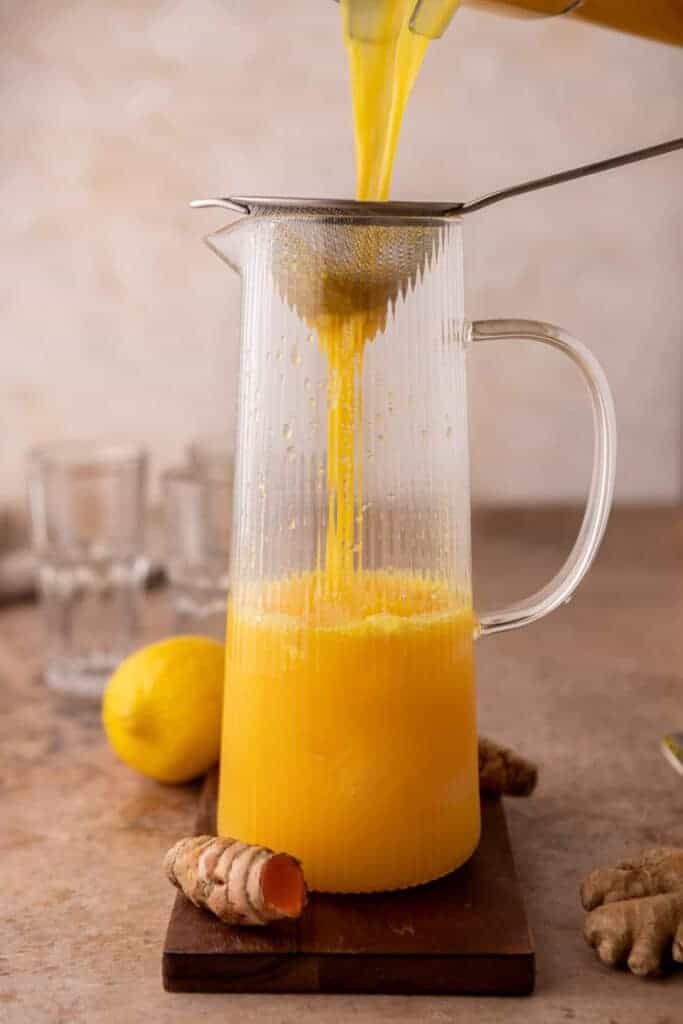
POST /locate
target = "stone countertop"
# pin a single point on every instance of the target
(588, 693)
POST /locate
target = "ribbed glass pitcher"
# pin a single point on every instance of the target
(350, 737)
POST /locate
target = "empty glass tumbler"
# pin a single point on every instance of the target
(349, 729)
(197, 520)
(87, 506)
(212, 456)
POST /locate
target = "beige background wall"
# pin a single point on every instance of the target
(115, 320)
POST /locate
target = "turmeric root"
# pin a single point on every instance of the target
(240, 884)
(636, 910)
(503, 771)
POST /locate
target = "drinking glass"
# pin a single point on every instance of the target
(212, 456)
(87, 509)
(197, 516)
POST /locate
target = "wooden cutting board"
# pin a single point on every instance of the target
(464, 934)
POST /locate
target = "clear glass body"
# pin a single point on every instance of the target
(349, 728)
(197, 521)
(87, 504)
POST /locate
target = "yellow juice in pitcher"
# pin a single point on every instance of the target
(349, 736)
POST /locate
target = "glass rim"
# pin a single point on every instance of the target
(181, 474)
(210, 446)
(191, 475)
(67, 454)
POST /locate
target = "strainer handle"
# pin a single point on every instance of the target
(562, 586)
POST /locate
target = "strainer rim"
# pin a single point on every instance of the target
(353, 210)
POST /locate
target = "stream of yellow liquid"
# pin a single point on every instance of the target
(382, 77)
(349, 730)
(383, 74)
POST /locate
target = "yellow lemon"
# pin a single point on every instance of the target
(162, 708)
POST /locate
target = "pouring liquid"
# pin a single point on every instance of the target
(349, 733)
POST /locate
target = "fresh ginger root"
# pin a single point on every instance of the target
(636, 910)
(240, 884)
(503, 771)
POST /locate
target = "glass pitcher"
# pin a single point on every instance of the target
(349, 736)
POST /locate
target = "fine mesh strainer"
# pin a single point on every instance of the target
(335, 258)
(336, 264)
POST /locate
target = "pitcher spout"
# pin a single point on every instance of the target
(227, 242)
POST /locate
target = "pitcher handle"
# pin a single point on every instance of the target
(562, 586)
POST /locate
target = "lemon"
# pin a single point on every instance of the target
(162, 708)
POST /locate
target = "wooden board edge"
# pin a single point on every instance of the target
(347, 974)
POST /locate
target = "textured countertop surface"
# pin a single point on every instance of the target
(588, 692)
